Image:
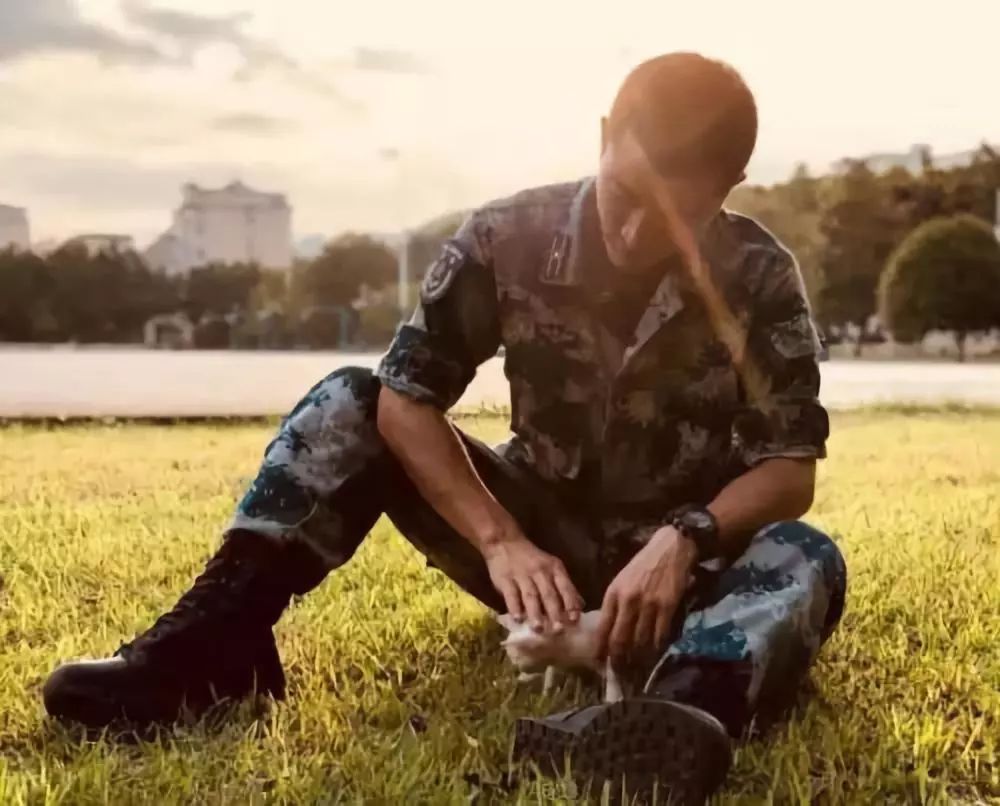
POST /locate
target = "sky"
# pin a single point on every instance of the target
(380, 114)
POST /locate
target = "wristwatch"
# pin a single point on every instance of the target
(699, 526)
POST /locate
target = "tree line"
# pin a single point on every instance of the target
(864, 247)
(344, 297)
(916, 248)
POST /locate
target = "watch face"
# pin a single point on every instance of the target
(700, 526)
(700, 521)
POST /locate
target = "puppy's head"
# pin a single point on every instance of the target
(527, 649)
(575, 646)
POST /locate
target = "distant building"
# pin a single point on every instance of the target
(14, 230)
(97, 242)
(234, 224)
(171, 254)
(912, 160)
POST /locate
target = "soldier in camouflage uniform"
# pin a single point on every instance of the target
(656, 468)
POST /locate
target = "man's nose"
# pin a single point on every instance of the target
(632, 228)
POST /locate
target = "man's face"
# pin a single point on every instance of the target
(635, 231)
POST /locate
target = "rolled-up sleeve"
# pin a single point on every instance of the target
(782, 415)
(455, 327)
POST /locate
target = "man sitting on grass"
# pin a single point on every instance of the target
(662, 365)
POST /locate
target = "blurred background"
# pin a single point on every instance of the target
(206, 205)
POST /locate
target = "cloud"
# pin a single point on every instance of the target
(98, 181)
(46, 26)
(388, 61)
(188, 29)
(73, 193)
(189, 32)
(251, 123)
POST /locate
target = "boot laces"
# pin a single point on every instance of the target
(210, 599)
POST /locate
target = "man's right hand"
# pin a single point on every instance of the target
(533, 583)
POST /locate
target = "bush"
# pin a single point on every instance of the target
(945, 275)
(377, 324)
(220, 288)
(325, 327)
(273, 331)
(337, 275)
(212, 333)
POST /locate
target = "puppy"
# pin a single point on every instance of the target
(574, 647)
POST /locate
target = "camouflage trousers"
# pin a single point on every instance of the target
(748, 633)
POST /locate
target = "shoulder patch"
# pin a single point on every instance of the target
(442, 273)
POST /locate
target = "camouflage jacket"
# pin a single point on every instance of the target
(659, 423)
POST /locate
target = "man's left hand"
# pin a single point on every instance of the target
(640, 603)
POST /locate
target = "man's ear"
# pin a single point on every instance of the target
(729, 187)
(604, 133)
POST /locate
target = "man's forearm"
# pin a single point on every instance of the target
(533, 583)
(434, 458)
(775, 490)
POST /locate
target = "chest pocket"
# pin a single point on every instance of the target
(689, 371)
(552, 364)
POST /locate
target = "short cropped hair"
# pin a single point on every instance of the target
(691, 114)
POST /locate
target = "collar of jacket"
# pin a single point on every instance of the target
(565, 265)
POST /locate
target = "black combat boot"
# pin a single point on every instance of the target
(215, 644)
(650, 748)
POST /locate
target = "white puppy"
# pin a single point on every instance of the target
(574, 647)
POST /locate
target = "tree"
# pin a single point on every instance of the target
(860, 228)
(944, 276)
(212, 333)
(104, 297)
(347, 263)
(326, 327)
(134, 294)
(792, 211)
(973, 187)
(25, 297)
(220, 288)
(378, 316)
(271, 291)
(426, 242)
(81, 291)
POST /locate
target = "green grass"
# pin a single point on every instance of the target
(399, 693)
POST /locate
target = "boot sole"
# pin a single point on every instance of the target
(643, 748)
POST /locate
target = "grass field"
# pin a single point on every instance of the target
(399, 692)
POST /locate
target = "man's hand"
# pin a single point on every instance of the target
(533, 584)
(640, 603)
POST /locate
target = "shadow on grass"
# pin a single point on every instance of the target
(488, 719)
(251, 718)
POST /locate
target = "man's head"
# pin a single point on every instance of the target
(685, 122)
